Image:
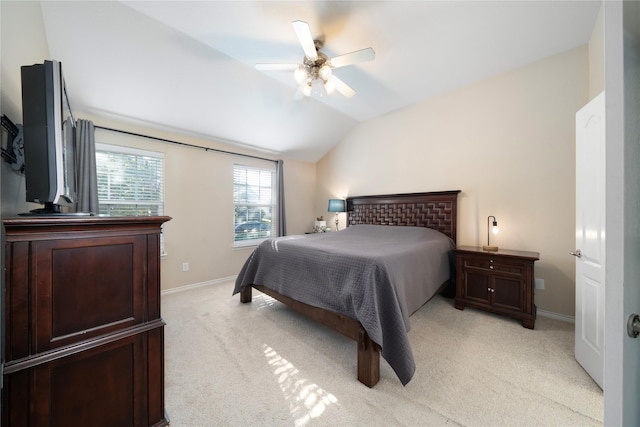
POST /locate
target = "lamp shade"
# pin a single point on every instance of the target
(337, 205)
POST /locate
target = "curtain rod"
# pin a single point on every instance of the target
(217, 150)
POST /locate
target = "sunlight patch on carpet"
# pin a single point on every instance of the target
(306, 400)
(264, 301)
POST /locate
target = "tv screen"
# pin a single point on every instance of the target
(49, 138)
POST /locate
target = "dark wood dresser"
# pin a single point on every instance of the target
(84, 340)
(500, 282)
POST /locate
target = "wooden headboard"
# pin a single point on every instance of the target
(437, 210)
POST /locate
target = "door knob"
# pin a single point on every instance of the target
(633, 326)
(577, 253)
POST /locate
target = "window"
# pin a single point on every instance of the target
(254, 201)
(130, 181)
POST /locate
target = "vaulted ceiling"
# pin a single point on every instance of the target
(188, 67)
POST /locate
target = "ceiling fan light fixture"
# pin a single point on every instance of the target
(306, 89)
(301, 75)
(325, 72)
(315, 75)
(317, 88)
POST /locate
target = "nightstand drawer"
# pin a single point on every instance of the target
(492, 265)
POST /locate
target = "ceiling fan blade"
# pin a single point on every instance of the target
(306, 39)
(354, 57)
(342, 87)
(276, 67)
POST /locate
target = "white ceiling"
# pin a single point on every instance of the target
(188, 66)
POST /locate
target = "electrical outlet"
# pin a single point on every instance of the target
(540, 284)
(185, 266)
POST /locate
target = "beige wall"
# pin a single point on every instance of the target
(199, 199)
(507, 142)
(198, 192)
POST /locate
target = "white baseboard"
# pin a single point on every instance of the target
(552, 315)
(198, 285)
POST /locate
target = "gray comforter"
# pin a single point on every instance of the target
(375, 274)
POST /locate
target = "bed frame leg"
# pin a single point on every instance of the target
(368, 360)
(245, 295)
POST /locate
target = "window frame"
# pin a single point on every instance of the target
(123, 150)
(273, 205)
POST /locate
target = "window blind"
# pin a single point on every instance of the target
(254, 200)
(130, 182)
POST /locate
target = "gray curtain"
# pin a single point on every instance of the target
(282, 228)
(86, 167)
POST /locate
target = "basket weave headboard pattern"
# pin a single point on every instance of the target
(437, 210)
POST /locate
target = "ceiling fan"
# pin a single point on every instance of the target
(315, 75)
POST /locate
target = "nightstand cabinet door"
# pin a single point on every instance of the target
(477, 286)
(504, 292)
(507, 293)
(500, 282)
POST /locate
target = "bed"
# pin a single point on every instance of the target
(364, 281)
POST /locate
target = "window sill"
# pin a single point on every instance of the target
(241, 244)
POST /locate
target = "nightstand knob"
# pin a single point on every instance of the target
(491, 267)
(490, 260)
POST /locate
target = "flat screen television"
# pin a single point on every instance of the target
(49, 139)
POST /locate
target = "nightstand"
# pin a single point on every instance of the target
(501, 282)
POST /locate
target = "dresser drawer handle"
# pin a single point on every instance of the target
(491, 267)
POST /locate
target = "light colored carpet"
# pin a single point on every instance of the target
(262, 364)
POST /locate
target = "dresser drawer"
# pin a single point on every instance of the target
(490, 264)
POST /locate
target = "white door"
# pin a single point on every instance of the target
(622, 82)
(590, 237)
(631, 283)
